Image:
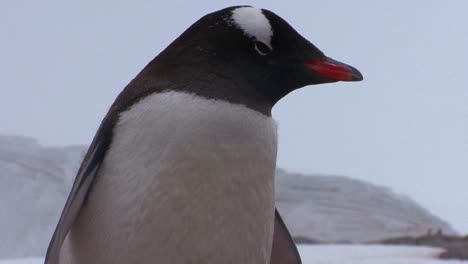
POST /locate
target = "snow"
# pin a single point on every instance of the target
(344, 254)
(23, 261)
(370, 254)
(335, 209)
(34, 183)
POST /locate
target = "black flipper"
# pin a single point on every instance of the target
(284, 249)
(88, 170)
(77, 197)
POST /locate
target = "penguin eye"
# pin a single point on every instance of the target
(262, 48)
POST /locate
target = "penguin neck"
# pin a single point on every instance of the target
(217, 79)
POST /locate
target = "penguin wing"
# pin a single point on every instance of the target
(76, 198)
(284, 249)
(89, 167)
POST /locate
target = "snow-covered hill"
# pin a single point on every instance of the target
(35, 180)
(335, 208)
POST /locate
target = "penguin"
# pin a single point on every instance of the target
(181, 169)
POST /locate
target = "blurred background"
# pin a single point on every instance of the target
(62, 63)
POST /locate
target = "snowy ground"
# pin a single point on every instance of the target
(371, 254)
(345, 254)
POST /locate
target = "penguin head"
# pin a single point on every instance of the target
(255, 48)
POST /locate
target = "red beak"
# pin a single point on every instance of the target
(334, 70)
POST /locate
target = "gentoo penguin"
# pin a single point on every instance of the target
(182, 168)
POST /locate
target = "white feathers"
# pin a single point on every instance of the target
(253, 23)
(183, 174)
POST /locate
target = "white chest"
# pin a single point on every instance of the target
(186, 180)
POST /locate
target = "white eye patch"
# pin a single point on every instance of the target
(253, 23)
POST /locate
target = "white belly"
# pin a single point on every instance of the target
(186, 180)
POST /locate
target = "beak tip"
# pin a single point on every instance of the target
(356, 76)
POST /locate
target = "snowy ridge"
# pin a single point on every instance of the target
(335, 208)
(35, 181)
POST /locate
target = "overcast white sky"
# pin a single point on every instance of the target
(62, 63)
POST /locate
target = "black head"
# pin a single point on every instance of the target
(244, 55)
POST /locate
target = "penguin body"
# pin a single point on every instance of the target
(181, 169)
(196, 173)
